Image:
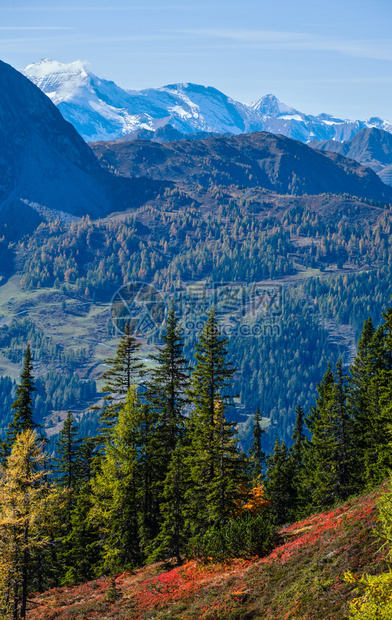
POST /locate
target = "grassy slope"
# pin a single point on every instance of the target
(302, 579)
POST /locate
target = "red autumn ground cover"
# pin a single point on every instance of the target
(302, 579)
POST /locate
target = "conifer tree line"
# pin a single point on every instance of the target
(166, 478)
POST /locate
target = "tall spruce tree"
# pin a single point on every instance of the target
(86, 458)
(172, 536)
(361, 372)
(329, 467)
(23, 417)
(298, 439)
(124, 370)
(377, 460)
(166, 399)
(369, 383)
(116, 492)
(387, 339)
(258, 459)
(374, 440)
(149, 463)
(297, 454)
(322, 399)
(344, 434)
(315, 448)
(68, 450)
(229, 472)
(212, 450)
(77, 543)
(67, 466)
(279, 483)
(82, 542)
(167, 385)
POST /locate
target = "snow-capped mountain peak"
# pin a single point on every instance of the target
(269, 105)
(101, 110)
(58, 80)
(46, 67)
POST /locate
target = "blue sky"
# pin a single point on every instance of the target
(330, 56)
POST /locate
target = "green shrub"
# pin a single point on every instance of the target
(245, 537)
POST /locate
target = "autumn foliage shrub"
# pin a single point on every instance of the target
(246, 537)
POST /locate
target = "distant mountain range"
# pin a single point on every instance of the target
(48, 171)
(101, 110)
(369, 147)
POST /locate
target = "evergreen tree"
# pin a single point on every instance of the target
(299, 439)
(279, 483)
(124, 368)
(322, 400)
(368, 399)
(80, 541)
(68, 449)
(115, 492)
(376, 448)
(166, 400)
(229, 471)
(297, 456)
(86, 458)
(172, 537)
(361, 372)
(168, 384)
(320, 437)
(377, 458)
(212, 450)
(387, 339)
(329, 466)
(149, 463)
(67, 467)
(343, 428)
(257, 455)
(81, 544)
(23, 405)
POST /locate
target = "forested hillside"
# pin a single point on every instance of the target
(329, 253)
(164, 478)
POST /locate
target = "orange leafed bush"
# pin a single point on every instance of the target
(254, 502)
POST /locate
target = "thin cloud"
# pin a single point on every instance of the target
(34, 28)
(298, 41)
(359, 80)
(71, 9)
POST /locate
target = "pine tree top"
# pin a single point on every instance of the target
(23, 404)
(212, 373)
